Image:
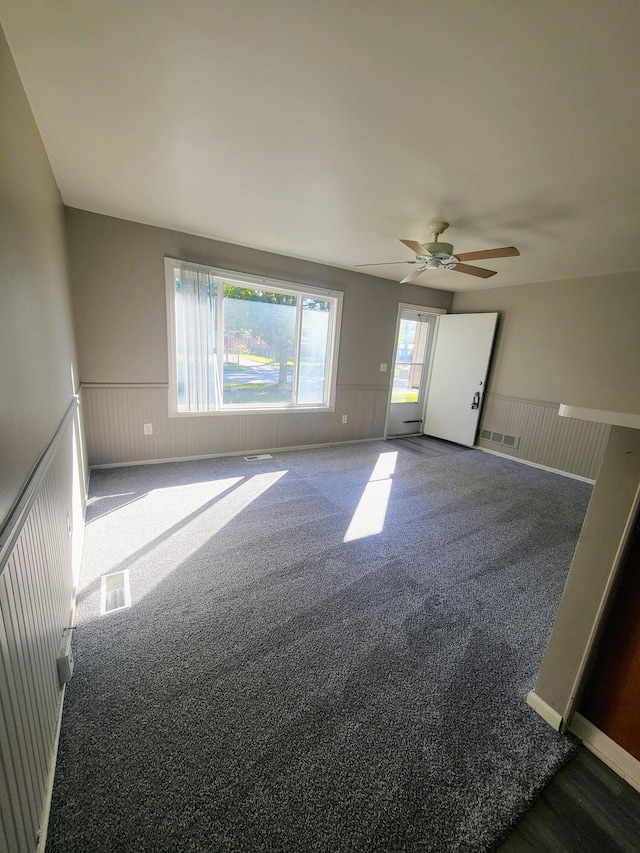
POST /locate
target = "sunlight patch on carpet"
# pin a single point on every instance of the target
(371, 512)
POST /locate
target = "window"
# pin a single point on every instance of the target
(242, 343)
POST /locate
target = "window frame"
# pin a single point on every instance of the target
(240, 279)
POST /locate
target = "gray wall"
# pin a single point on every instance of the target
(575, 341)
(36, 339)
(41, 494)
(117, 275)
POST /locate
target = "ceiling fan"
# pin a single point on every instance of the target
(436, 255)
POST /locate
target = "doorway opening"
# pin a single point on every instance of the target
(451, 370)
(415, 334)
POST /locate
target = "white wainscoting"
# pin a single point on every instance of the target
(39, 555)
(114, 416)
(566, 444)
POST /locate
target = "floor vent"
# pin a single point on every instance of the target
(511, 441)
(257, 456)
(115, 592)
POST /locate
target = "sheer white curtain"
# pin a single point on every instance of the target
(197, 303)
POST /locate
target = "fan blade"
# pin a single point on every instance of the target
(386, 263)
(418, 248)
(507, 252)
(474, 270)
(413, 275)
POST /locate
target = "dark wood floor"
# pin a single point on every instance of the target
(587, 808)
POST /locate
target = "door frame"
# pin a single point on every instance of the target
(422, 309)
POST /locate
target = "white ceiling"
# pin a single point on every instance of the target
(327, 130)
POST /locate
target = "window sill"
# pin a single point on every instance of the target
(240, 410)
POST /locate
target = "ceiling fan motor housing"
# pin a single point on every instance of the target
(440, 250)
(441, 256)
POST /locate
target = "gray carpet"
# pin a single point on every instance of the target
(276, 688)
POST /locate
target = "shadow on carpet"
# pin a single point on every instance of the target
(329, 650)
(426, 445)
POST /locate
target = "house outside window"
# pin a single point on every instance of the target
(239, 343)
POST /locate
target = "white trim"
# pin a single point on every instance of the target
(419, 309)
(108, 385)
(172, 367)
(238, 277)
(335, 327)
(48, 794)
(548, 714)
(535, 464)
(607, 750)
(267, 410)
(233, 453)
(600, 416)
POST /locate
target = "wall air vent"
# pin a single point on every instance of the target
(257, 456)
(502, 438)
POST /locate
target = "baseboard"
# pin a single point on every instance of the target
(232, 453)
(607, 750)
(535, 465)
(548, 714)
(44, 818)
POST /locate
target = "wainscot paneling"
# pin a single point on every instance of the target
(115, 416)
(542, 436)
(39, 551)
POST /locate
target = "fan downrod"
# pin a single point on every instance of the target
(442, 252)
(437, 228)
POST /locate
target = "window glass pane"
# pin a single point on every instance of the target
(407, 372)
(259, 334)
(406, 383)
(314, 340)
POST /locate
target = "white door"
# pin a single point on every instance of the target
(460, 364)
(409, 371)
